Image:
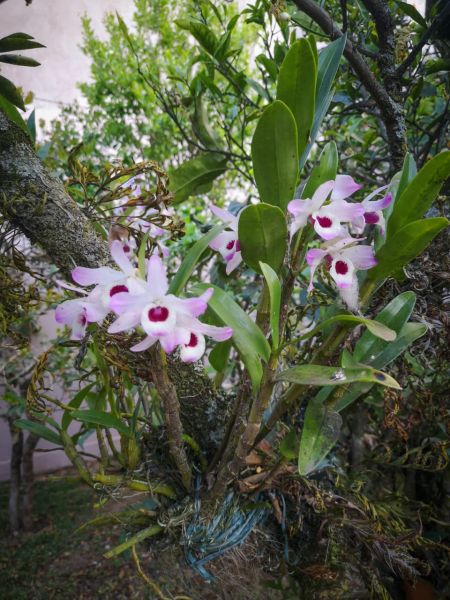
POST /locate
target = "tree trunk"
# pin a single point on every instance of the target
(15, 478)
(28, 480)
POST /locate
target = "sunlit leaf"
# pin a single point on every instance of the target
(296, 87)
(247, 337)
(274, 287)
(191, 259)
(274, 154)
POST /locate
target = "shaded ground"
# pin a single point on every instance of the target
(55, 562)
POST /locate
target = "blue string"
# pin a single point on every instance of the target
(205, 541)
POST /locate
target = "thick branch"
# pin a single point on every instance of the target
(37, 204)
(391, 111)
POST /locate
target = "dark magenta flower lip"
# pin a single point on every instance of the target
(158, 314)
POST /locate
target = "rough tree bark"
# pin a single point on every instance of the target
(15, 476)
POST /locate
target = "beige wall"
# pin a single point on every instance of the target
(56, 24)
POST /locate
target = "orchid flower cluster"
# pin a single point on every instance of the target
(139, 303)
(334, 219)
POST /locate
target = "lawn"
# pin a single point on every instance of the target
(55, 561)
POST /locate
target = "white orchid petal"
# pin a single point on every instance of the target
(194, 349)
(101, 275)
(344, 187)
(156, 276)
(120, 258)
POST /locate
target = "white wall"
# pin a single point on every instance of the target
(57, 25)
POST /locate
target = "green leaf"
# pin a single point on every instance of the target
(296, 87)
(191, 259)
(135, 539)
(12, 113)
(403, 246)
(40, 430)
(320, 375)
(263, 236)
(320, 432)
(218, 357)
(394, 316)
(408, 334)
(420, 193)
(329, 58)
(104, 419)
(325, 170)
(378, 329)
(247, 337)
(9, 91)
(31, 125)
(274, 154)
(196, 175)
(18, 42)
(289, 445)
(274, 286)
(18, 59)
(202, 33)
(75, 403)
(408, 172)
(412, 13)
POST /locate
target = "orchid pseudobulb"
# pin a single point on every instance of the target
(142, 303)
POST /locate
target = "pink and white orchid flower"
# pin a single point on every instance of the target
(327, 219)
(165, 318)
(373, 212)
(343, 259)
(227, 242)
(94, 307)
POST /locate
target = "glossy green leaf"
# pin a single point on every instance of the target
(274, 286)
(12, 113)
(408, 172)
(103, 419)
(247, 337)
(412, 12)
(394, 316)
(407, 243)
(191, 260)
(9, 91)
(75, 403)
(274, 154)
(289, 445)
(18, 42)
(296, 87)
(321, 429)
(263, 235)
(18, 59)
(196, 175)
(420, 193)
(325, 170)
(31, 125)
(39, 429)
(321, 375)
(408, 334)
(329, 59)
(218, 357)
(377, 329)
(133, 540)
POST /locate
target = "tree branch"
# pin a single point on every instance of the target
(391, 111)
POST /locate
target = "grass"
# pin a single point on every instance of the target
(53, 561)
